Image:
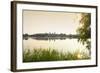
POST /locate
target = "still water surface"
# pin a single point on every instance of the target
(66, 45)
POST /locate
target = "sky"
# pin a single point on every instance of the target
(50, 22)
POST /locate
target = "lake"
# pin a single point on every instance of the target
(64, 45)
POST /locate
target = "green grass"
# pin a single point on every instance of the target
(49, 54)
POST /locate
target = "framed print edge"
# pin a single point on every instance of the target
(96, 36)
(14, 36)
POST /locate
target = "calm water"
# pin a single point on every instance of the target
(66, 45)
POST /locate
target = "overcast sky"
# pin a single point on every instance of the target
(53, 22)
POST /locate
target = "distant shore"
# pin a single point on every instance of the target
(51, 35)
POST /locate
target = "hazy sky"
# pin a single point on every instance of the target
(45, 22)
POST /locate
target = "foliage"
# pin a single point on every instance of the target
(84, 31)
(49, 54)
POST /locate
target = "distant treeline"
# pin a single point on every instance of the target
(52, 35)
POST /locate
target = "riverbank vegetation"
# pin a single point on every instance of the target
(49, 54)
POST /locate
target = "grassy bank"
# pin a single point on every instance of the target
(49, 54)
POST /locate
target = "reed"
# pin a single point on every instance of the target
(49, 54)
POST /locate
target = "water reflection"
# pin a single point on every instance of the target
(50, 36)
(61, 44)
(47, 38)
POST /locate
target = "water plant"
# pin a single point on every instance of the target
(49, 54)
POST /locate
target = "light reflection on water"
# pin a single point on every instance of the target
(66, 45)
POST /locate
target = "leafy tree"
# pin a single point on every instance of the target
(84, 31)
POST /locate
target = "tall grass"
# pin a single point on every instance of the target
(49, 54)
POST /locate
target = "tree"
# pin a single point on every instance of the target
(84, 31)
(25, 35)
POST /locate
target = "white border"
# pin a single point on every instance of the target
(21, 65)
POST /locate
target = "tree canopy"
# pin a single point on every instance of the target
(84, 29)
